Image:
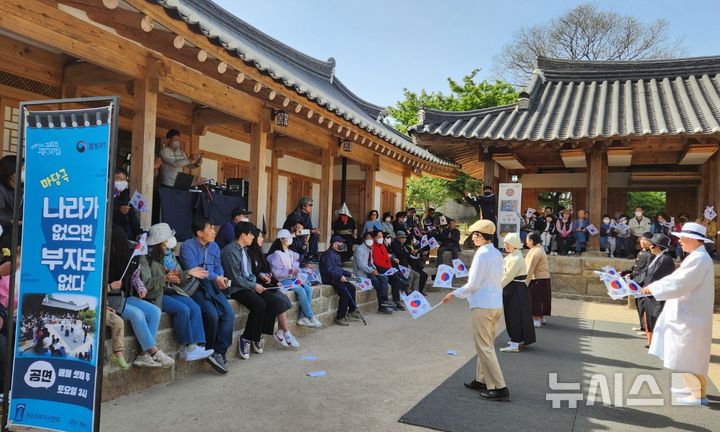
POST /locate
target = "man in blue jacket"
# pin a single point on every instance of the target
(333, 273)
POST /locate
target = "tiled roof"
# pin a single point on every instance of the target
(314, 79)
(576, 100)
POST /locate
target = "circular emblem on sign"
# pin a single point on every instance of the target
(80, 146)
(509, 192)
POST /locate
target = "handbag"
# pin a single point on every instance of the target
(190, 286)
(116, 300)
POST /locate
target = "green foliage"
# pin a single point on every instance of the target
(88, 317)
(555, 200)
(426, 191)
(651, 202)
(468, 94)
(464, 188)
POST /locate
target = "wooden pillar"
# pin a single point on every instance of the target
(488, 170)
(714, 180)
(326, 194)
(595, 203)
(274, 202)
(406, 174)
(143, 144)
(258, 158)
(370, 174)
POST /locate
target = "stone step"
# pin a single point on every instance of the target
(118, 382)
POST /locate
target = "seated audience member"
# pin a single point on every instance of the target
(711, 233)
(218, 315)
(244, 288)
(564, 235)
(285, 264)
(681, 220)
(625, 246)
(661, 224)
(8, 182)
(345, 227)
(400, 249)
(399, 223)
(303, 216)
(387, 225)
(300, 242)
(384, 262)
(372, 223)
(117, 332)
(449, 240)
(637, 225)
(430, 223)
(545, 226)
(226, 235)
(124, 215)
(363, 266)
(174, 159)
(579, 229)
(144, 317)
(332, 273)
(608, 236)
(261, 270)
(164, 279)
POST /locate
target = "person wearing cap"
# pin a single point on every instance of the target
(637, 274)
(483, 292)
(263, 306)
(163, 278)
(662, 264)
(285, 264)
(333, 273)
(345, 227)
(516, 299)
(683, 332)
(174, 159)
(400, 250)
(226, 235)
(449, 240)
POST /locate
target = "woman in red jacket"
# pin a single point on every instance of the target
(384, 262)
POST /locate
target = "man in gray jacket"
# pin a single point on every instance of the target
(174, 159)
(363, 266)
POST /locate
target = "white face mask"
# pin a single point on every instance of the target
(171, 243)
(379, 241)
(285, 241)
(175, 144)
(638, 214)
(244, 219)
(606, 221)
(121, 185)
(368, 242)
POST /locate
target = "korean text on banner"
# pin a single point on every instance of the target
(56, 370)
(509, 205)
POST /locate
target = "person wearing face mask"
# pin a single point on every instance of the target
(387, 225)
(333, 273)
(430, 223)
(400, 249)
(449, 240)
(226, 235)
(174, 159)
(637, 226)
(399, 224)
(564, 233)
(285, 264)
(488, 207)
(546, 227)
(163, 278)
(345, 227)
(607, 236)
(364, 267)
(681, 220)
(372, 224)
(8, 183)
(124, 215)
(384, 262)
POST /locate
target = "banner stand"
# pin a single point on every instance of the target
(100, 112)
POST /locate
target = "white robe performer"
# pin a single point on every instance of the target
(683, 333)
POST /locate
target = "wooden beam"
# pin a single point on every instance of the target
(326, 194)
(258, 157)
(597, 170)
(143, 145)
(86, 74)
(274, 201)
(370, 178)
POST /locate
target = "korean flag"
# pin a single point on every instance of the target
(459, 268)
(444, 276)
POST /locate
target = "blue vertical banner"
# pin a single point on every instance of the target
(57, 371)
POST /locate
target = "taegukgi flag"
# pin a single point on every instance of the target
(459, 268)
(444, 276)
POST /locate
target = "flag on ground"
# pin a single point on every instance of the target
(459, 268)
(444, 276)
(416, 304)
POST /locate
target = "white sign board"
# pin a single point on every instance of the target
(509, 205)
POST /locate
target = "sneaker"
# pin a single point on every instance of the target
(182, 352)
(385, 310)
(199, 353)
(637, 329)
(691, 401)
(243, 348)
(163, 359)
(612, 256)
(388, 304)
(543, 322)
(145, 360)
(537, 324)
(258, 347)
(217, 363)
(305, 322)
(511, 348)
(294, 344)
(607, 252)
(119, 361)
(316, 322)
(399, 306)
(354, 316)
(341, 322)
(280, 339)
(570, 253)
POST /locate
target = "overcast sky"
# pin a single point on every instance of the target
(381, 46)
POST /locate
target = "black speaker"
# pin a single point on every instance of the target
(238, 187)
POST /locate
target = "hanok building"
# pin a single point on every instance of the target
(255, 107)
(597, 129)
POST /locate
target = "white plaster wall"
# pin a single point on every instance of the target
(281, 201)
(209, 169)
(399, 205)
(299, 166)
(316, 200)
(378, 198)
(225, 146)
(353, 172)
(389, 178)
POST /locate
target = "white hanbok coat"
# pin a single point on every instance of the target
(683, 334)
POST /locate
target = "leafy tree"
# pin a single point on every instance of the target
(585, 33)
(651, 202)
(88, 317)
(468, 94)
(464, 188)
(556, 200)
(426, 191)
